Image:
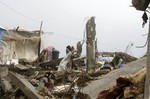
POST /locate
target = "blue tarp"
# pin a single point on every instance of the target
(1, 36)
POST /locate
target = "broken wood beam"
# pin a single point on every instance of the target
(52, 63)
(25, 86)
(76, 60)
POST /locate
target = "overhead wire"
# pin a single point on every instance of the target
(29, 18)
(37, 21)
(65, 36)
(145, 42)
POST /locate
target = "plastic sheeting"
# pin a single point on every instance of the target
(19, 45)
(65, 60)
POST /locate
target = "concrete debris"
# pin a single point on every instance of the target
(46, 76)
(5, 85)
(3, 71)
(126, 87)
(25, 86)
(52, 81)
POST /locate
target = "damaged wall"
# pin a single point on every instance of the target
(18, 44)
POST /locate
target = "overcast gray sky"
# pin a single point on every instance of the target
(117, 24)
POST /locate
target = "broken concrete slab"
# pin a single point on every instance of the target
(3, 71)
(6, 86)
(108, 80)
(22, 67)
(25, 86)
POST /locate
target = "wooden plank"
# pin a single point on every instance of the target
(25, 86)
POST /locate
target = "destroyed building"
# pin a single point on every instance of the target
(42, 75)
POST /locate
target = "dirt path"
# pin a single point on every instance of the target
(109, 80)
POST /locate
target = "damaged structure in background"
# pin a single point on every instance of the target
(19, 44)
(38, 75)
(42, 74)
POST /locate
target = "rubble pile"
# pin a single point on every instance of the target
(45, 76)
(127, 87)
(60, 78)
(54, 79)
(38, 83)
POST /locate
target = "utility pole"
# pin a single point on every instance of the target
(39, 47)
(90, 44)
(147, 80)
